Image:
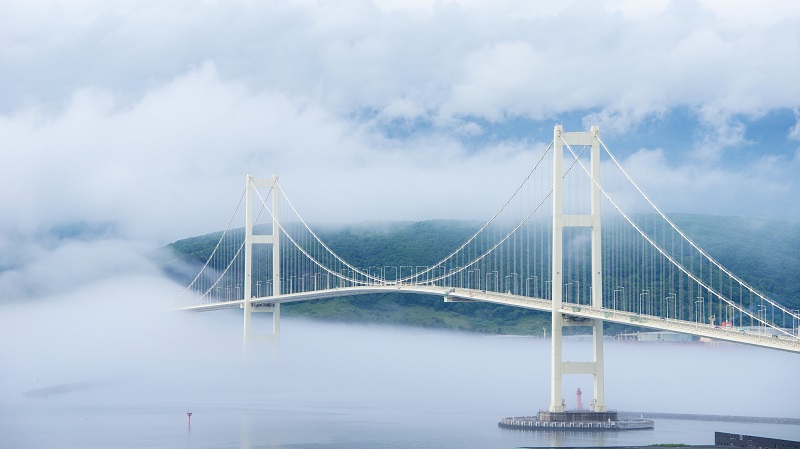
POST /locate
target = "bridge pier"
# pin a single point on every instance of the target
(560, 221)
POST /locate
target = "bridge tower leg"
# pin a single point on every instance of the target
(251, 239)
(560, 221)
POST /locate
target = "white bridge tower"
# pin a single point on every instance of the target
(251, 238)
(561, 221)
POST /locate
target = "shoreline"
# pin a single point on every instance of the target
(717, 418)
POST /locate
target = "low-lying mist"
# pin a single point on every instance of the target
(121, 334)
(116, 341)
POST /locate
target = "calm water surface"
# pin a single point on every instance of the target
(346, 386)
(318, 425)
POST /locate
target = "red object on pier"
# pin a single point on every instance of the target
(580, 404)
(189, 414)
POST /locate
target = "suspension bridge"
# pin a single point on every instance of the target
(577, 238)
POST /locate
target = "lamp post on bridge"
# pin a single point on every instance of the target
(729, 314)
(379, 274)
(528, 285)
(699, 309)
(513, 277)
(385, 273)
(642, 301)
(258, 289)
(674, 299)
(566, 291)
(762, 317)
(648, 301)
(796, 322)
(496, 275)
(368, 274)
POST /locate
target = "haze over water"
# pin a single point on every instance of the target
(133, 368)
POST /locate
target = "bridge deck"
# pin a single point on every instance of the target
(576, 310)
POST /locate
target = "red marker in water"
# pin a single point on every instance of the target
(189, 414)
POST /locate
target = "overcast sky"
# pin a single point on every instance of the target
(144, 116)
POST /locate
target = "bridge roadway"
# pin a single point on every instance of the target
(577, 311)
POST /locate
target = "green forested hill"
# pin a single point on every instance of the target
(764, 253)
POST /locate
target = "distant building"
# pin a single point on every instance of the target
(659, 336)
(763, 330)
(722, 439)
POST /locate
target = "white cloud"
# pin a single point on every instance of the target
(504, 79)
(40, 271)
(747, 13)
(635, 9)
(764, 188)
(794, 133)
(127, 112)
(513, 58)
(402, 108)
(624, 114)
(719, 131)
(173, 163)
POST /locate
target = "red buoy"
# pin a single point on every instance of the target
(189, 414)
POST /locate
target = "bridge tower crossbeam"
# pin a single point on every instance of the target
(561, 221)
